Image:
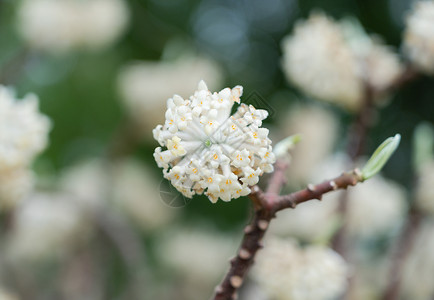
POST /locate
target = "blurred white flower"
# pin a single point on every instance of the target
(331, 61)
(376, 208)
(45, 226)
(136, 192)
(425, 188)
(288, 272)
(23, 135)
(6, 295)
(419, 36)
(318, 129)
(419, 267)
(370, 277)
(14, 186)
(146, 86)
(378, 65)
(251, 291)
(199, 256)
(87, 182)
(312, 221)
(23, 130)
(128, 185)
(381, 66)
(318, 61)
(208, 150)
(59, 26)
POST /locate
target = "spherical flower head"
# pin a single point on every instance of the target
(145, 86)
(318, 61)
(332, 61)
(419, 36)
(206, 150)
(23, 130)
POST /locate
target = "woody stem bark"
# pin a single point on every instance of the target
(266, 206)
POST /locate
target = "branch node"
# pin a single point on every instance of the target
(218, 290)
(311, 187)
(358, 173)
(233, 260)
(236, 281)
(263, 224)
(244, 254)
(248, 229)
(333, 185)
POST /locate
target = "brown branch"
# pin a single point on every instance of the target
(361, 125)
(240, 264)
(316, 191)
(278, 178)
(266, 205)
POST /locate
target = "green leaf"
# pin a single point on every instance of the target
(380, 156)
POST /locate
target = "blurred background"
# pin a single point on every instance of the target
(101, 223)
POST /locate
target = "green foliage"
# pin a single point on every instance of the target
(380, 157)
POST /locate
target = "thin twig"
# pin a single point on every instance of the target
(317, 191)
(278, 177)
(255, 231)
(240, 264)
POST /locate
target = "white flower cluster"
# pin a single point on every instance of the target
(208, 150)
(288, 272)
(419, 36)
(59, 26)
(23, 135)
(317, 60)
(145, 86)
(331, 61)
